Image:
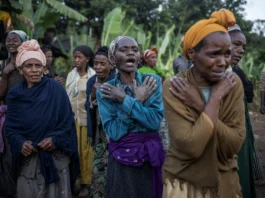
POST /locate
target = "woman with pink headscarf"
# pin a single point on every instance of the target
(40, 128)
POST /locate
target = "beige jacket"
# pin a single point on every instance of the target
(76, 90)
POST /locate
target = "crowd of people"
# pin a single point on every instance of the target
(114, 129)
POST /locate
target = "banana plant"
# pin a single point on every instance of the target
(47, 13)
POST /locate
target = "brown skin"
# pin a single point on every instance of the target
(49, 58)
(151, 60)
(102, 67)
(80, 61)
(126, 58)
(32, 70)
(13, 41)
(209, 68)
(238, 45)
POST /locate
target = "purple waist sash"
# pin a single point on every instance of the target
(135, 149)
(2, 121)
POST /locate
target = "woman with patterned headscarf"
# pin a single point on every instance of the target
(40, 127)
(76, 89)
(131, 109)
(205, 112)
(10, 78)
(149, 61)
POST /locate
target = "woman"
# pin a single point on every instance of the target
(104, 73)
(10, 78)
(248, 160)
(46, 49)
(131, 109)
(76, 89)
(41, 130)
(205, 113)
(149, 61)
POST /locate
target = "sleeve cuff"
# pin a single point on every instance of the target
(208, 119)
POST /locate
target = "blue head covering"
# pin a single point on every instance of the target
(23, 36)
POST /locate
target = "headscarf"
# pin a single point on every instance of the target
(234, 28)
(28, 50)
(113, 45)
(149, 52)
(23, 36)
(87, 52)
(102, 51)
(218, 22)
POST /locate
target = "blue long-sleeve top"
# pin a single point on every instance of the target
(131, 116)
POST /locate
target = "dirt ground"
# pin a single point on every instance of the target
(258, 124)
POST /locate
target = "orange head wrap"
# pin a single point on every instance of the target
(218, 22)
(149, 52)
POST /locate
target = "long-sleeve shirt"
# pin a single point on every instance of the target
(131, 116)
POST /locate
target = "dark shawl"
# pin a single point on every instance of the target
(91, 113)
(39, 112)
(247, 84)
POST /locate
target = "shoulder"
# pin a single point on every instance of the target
(92, 79)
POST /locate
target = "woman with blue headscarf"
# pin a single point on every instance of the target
(10, 78)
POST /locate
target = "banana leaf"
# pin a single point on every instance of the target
(112, 26)
(65, 10)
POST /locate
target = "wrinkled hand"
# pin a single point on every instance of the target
(9, 68)
(145, 90)
(94, 90)
(47, 144)
(113, 93)
(27, 148)
(186, 93)
(222, 88)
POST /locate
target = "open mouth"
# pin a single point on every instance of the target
(130, 61)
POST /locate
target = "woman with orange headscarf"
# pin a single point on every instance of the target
(205, 113)
(149, 60)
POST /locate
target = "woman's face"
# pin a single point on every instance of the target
(13, 41)
(239, 42)
(80, 60)
(211, 61)
(151, 60)
(32, 70)
(127, 55)
(49, 58)
(102, 66)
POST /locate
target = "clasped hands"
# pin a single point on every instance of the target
(46, 145)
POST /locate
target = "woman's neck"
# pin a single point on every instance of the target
(13, 58)
(127, 78)
(81, 71)
(200, 80)
(102, 80)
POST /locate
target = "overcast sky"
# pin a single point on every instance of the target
(255, 9)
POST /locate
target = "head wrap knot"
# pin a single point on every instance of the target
(30, 50)
(218, 22)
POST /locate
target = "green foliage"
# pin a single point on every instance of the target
(252, 69)
(47, 12)
(112, 26)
